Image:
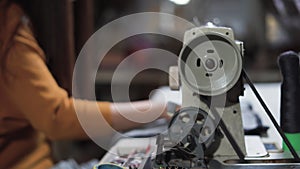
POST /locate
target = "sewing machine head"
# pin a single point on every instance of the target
(209, 67)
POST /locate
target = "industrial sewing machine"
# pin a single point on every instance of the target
(207, 132)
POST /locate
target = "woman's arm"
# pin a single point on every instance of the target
(130, 115)
(35, 93)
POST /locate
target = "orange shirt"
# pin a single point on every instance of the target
(33, 107)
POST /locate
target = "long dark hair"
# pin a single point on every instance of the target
(52, 24)
(7, 32)
(10, 25)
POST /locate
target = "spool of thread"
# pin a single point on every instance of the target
(290, 98)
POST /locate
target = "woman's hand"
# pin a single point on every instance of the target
(129, 115)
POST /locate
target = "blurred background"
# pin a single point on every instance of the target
(267, 28)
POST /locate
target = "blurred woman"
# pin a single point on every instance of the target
(33, 108)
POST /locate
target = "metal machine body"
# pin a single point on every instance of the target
(209, 73)
(224, 95)
(209, 68)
